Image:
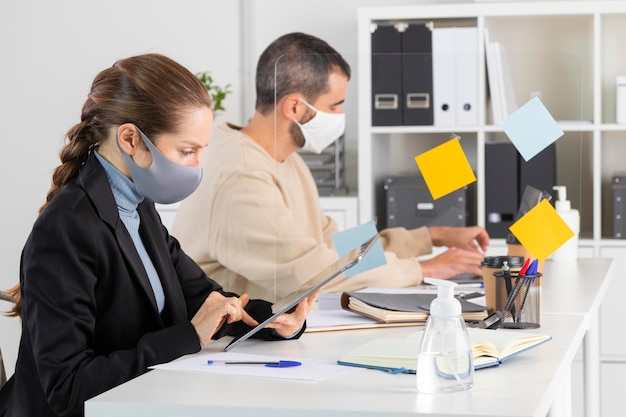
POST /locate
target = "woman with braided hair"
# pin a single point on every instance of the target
(105, 292)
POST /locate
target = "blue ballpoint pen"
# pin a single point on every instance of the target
(268, 364)
(532, 269)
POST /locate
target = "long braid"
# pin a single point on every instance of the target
(73, 155)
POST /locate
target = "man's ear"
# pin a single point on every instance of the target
(291, 107)
(128, 138)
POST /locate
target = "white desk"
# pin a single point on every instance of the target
(528, 385)
(579, 288)
(575, 287)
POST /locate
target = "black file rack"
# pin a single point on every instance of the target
(328, 168)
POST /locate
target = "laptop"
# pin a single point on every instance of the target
(324, 277)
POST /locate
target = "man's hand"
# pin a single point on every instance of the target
(452, 262)
(473, 238)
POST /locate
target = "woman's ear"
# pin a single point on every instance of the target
(128, 138)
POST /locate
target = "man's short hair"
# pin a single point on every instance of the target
(295, 63)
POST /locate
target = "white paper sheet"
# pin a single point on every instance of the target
(310, 370)
(329, 318)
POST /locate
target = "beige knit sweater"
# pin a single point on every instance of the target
(255, 225)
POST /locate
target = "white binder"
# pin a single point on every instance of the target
(444, 76)
(466, 45)
(455, 76)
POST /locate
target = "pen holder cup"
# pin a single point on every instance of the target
(491, 265)
(518, 298)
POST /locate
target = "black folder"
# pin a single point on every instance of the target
(417, 74)
(538, 172)
(506, 178)
(501, 188)
(386, 75)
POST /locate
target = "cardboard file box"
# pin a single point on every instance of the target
(409, 204)
(619, 198)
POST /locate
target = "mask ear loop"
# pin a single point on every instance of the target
(311, 108)
(144, 139)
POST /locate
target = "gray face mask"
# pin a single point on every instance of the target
(164, 181)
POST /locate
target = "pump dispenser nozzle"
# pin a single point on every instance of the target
(562, 204)
(445, 305)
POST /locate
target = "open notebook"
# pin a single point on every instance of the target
(288, 302)
(489, 348)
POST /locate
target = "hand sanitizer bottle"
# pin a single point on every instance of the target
(569, 250)
(445, 361)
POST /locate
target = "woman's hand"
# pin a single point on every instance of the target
(218, 309)
(289, 324)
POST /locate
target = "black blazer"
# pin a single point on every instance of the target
(90, 320)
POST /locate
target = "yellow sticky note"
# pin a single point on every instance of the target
(541, 231)
(445, 168)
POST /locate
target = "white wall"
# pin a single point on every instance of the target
(50, 52)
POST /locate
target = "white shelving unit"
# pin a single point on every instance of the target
(578, 41)
(570, 52)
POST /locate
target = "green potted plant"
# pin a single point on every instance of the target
(216, 92)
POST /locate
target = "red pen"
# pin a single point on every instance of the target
(524, 268)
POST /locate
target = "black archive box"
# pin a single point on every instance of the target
(386, 75)
(402, 74)
(410, 204)
(619, 197)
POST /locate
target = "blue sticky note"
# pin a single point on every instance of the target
(349, 239)
(531, 128)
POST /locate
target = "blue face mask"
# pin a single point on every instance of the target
(164, 181)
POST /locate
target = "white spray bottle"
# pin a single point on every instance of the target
(569, 250)
(445, 361)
